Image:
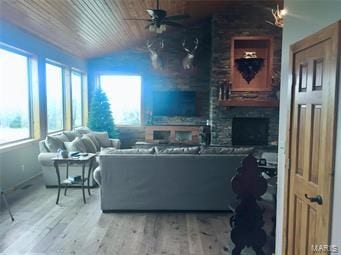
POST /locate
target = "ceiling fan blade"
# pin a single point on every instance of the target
(177, 17)
(138, 19)
(156, 13)
(171, 23)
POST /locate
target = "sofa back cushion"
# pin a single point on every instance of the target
(103, 139)
(225, 150)
(127, 151)
(71, 135)
(178, 150)
(82, 130)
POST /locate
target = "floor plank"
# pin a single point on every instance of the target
(41, 227)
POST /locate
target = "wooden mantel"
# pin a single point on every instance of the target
(249, 103)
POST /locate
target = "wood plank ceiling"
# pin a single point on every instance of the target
(89, 28)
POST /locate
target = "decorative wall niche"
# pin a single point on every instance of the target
(241, 49)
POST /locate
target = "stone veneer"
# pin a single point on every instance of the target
(242, 19)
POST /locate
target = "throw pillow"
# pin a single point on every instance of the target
(89, 145)
(103, 139)
(179, 150)
(54, 143)
(75, 145)
(94, 140)
(127, 151)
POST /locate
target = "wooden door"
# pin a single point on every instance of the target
(312, 136)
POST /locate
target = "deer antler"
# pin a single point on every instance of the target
(187, 62)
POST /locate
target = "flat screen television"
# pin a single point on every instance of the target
(174, 103)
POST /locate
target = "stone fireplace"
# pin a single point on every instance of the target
(224, 118)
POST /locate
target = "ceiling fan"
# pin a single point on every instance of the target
(159, 20)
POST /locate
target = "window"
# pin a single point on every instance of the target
(124, 94)
(76, 95)
(15, 108)
(54, 98)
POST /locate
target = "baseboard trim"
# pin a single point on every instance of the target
(22, 183)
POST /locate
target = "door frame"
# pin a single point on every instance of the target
(332, 31)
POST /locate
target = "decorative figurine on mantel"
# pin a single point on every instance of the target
(249, 65)
(247, 221)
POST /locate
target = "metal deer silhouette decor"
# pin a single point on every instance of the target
(155, 54)
(187, 62)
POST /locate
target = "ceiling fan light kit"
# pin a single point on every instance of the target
(157, 29)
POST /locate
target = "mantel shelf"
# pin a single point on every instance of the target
(249, 103)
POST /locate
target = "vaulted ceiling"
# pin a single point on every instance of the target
(88, 28)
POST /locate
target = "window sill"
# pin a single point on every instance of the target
(17, 145)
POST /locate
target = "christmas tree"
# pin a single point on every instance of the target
(100, 115)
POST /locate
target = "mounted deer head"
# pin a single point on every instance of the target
(187, 62)
(155, 55)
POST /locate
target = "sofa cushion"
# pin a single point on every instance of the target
(71, 135)
(94, 140)
(75, 145)
(89, 145)
(103, 139)
(127, 151)
(55, 142)
(178, 150)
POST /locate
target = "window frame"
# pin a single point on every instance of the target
(98, 84)
(29, 57)
(81, 75)
(63, 68)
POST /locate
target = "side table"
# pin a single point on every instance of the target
(81, 160)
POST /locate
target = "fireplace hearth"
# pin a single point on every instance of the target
(250, 131)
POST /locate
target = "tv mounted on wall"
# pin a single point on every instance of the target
(174, 103)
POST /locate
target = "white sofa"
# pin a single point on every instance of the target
(166, 181)
(47, 153)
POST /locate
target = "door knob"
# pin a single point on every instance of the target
(316, 199)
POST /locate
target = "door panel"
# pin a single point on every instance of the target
(311, 147)
(315, 146)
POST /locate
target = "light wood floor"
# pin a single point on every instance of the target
(42, 227)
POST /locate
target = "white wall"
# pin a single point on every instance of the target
(18, 164)
(304, 18)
